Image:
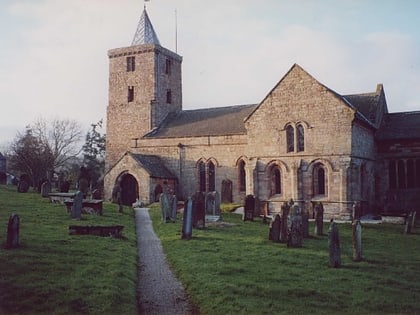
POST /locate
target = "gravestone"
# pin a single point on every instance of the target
(65, 186)
(213, 203)
(165, 201)
(294, 227)
(410, 222)
(356, 211)
(117, 196)
(249, 208)
(76, 208)
(357, 240)
(334, 246)
(198, 211)
(187, 220)
(274, 231)
(173, 208)
(45, 188)
(13, 228)
(285, 209)
(96, 194)
(319, 218)
(305, 223)
(23, 186)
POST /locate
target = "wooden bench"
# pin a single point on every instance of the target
(98, 230)
(95, 204)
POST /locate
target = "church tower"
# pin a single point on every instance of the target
(145, 85)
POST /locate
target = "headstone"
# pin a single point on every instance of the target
(305, 223)
(45, 189)
(96, 194)
(213, 203)
(274, 231)
(357, 240)
(249, 208)
(76, 208)
(174, 204)
(13, 232)
(65, 186)
(319, 218)
(334, 246)
(23, 186)
(356, 211)
(117, 196)
(165, 200)
(294, 231)
(285, 209)
(198, 210)
(187, 220)
(410, 222)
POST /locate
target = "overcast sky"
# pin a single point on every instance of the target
(54, 64)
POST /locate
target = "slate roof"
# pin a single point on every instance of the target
(398, 126)
(153, 165)
(365, 103)
(217, 121)
(145, 34)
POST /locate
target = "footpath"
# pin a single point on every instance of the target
(159, 291)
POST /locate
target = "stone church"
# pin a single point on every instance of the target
(302, 140)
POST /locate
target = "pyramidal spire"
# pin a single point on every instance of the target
(145, 34)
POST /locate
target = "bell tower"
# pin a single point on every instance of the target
(145, 86)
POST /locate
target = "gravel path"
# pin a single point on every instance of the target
(159, 291)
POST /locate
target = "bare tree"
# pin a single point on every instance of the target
(45, 147)
(61, 136)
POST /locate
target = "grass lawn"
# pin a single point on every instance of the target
(237, 270)
(55, 273)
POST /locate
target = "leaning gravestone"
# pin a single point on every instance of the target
(13, 232)
(45, 189)
(199, 211)
(285, 209)
(76, 208)
(249, 208)
(165, 200)
(294, 231)
(187, 220)
(274, 232)
(319, 218)
(357, 240)
(410, 222)
(334, 246)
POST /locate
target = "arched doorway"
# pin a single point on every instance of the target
(129, 189)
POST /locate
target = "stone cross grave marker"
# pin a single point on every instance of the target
(334, 246)
(13, 230)
(187, 220)
(76, 208)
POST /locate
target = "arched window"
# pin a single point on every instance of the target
(202, 176)
(300, 138)
(290, 138)
(275, 181)
(320, 180)
(242, 176)
(212, 176)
